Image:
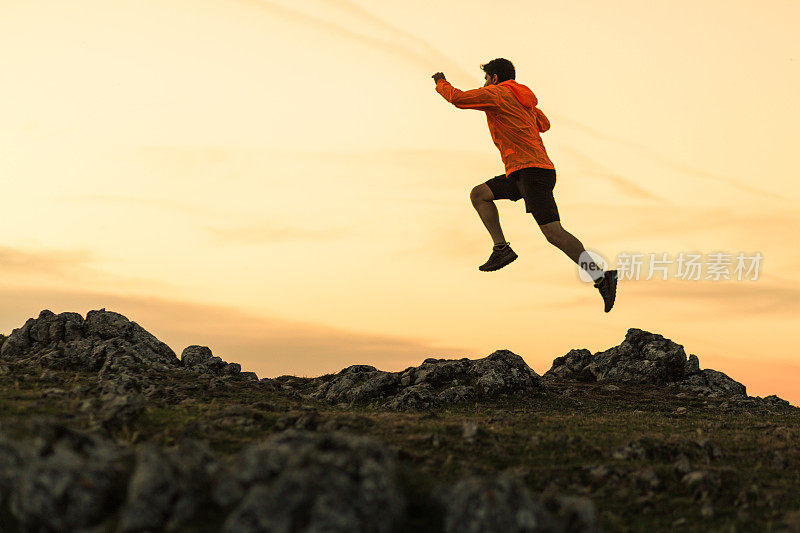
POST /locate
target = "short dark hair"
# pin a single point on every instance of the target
(502, 67)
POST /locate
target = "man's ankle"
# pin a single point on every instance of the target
(501, 245)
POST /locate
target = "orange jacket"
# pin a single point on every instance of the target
(514, 120)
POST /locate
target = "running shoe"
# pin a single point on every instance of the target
(607, 286)
(500, 257)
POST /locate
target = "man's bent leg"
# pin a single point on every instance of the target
(483, 202)
(570, 245)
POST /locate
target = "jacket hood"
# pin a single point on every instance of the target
(526, 97)
(521, 92)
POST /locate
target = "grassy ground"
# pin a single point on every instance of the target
(564, 442)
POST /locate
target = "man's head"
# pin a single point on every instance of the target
(497, 71)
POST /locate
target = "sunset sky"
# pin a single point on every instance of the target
(280, 181)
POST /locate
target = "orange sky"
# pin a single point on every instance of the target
(279, 180)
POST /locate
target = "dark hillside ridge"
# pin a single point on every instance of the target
(104, 428)
(121, 350)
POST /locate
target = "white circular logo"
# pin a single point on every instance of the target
(590, 262)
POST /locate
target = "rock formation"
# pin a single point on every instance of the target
(644, 358)
(435, 382)
(294, 481)
(107, 343)
(102, 342)
(308, 473)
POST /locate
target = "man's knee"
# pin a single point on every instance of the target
(552, 238)
(552, 232)
(481, 193)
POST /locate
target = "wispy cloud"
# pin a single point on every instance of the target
(431, 52)
(173, 206)
(453, 242)
(669, 163)
(711, 298)
(60, 266)
(625, 185)
(270, 232)
(678, 221)
(43, 261)
(421, 51)
(416, 50)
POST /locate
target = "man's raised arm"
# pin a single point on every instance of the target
(482, 98)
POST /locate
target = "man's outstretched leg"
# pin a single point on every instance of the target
(483, 201)
(606, 282)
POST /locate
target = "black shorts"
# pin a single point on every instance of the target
(535, 185)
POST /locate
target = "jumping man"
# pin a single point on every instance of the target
(514, 124)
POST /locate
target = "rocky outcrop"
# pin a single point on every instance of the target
(435, 382)
(107, 343)
(712, 383)
(281, 462)
(168, 488)
(503, 503)
(641, 358)
(309, 481)
(102, 342)
(644, 358)
(128, 359)
(63, 481)
(293, 481)
(200, 359)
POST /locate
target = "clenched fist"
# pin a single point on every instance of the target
(438, 76)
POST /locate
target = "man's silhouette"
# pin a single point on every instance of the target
(515, 124)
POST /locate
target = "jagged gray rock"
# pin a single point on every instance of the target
(66, 481)
(301, 480)
(768, 403)
(503, 503)
(296, 480)
(118, 410)
(312, 480)
(774, 400)
(168, 487)
(200, 359)
(434, 382)
(692, 365)
(712, 383)
(105, 341)
(12, 459)
(121, 352)
(644, 358)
